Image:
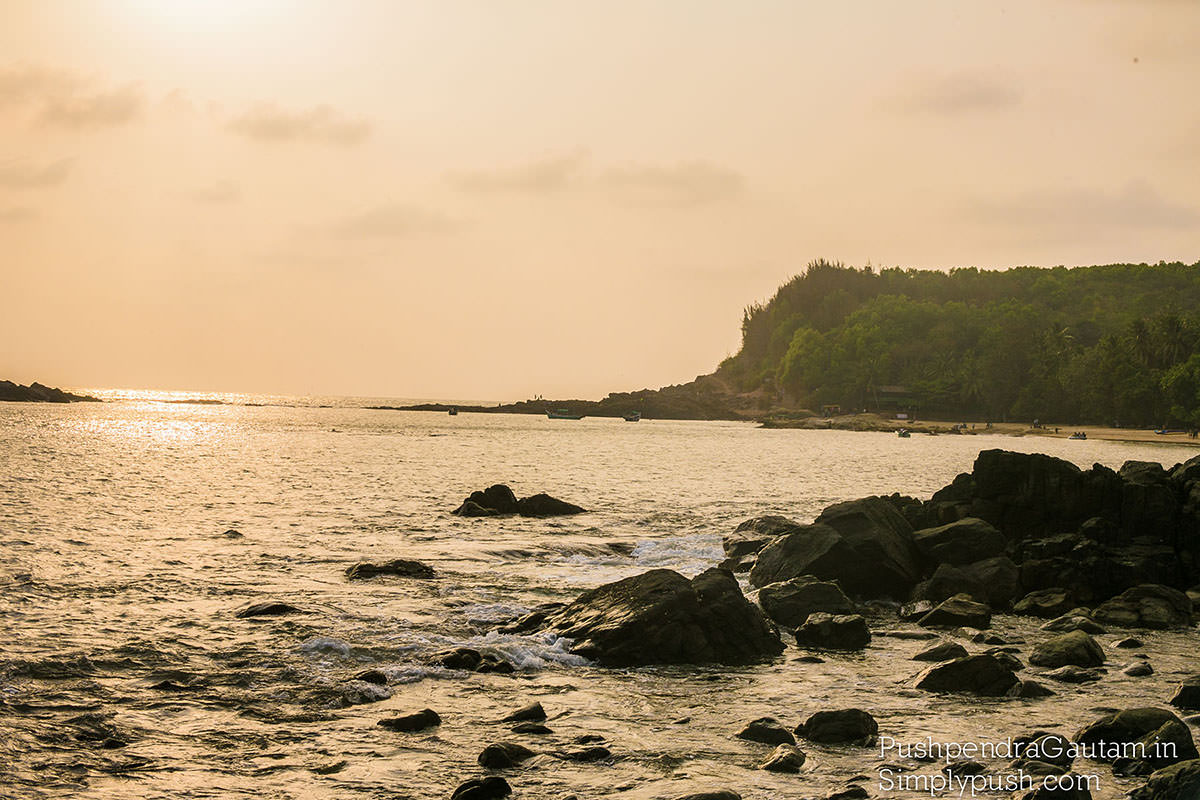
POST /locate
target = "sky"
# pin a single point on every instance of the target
(497, 199)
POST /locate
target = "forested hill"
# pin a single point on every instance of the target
(1116, 344)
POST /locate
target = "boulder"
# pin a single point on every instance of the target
(844, 726)
(498, 499)
(1030, 494)
(504, 754)
(816, 550)
(1076, 648)
(410, 723)
(530, 713)
(999, 577)
(1045, 603)
(888, 562)
(943, 651)
(1144, 725)
(785, 758)
(834, 632)
(1073, 621)
(1187, 694)
(271, 608)
(981, 675)
(1073, 674)
(957, 612)
(1147, 606)
(472, 660)
(1177, 782)
(492, 788)
(1029, 690)
(660, 617)
(400, 567)
(720, 794)
(961, 542)
(1188, 471)
(470, 508)
(789, 603)
(543, 505)
(766, 730)
(1129, 643)
(586, 755)
(753, 535)
(1138, 669)
(946, 582)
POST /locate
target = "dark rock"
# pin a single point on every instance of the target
(1073, 622)
(1147, 606)
(372, 676)
(39, 393)
(587, 755)
(1073, 674)
(790, 602)
(753, 535)
(399, 567)
(720, 794)
(785, 758)
(530, 713)
(459, 658)
(999, 577)
(882, 539)
(958, 611)
(1138, 669)
(1187, 694)
(740, 565)
(979, 674)
(410, 723)
(1177, 782)
(942, 651)
(543, 505)
(1030, 494)
(1045, 603)
(504, 754)
(1006, 658)
(829, 632)
(271, 608)
(1071, 788)
(588, 738)
(852, 792)
(964, 767)
(961, 542)
(844, 726)
(1187, 472)
(766, 730)
(470, 508)
(1029, 690)
(1144, 725)
(660, 617)
(910, 612)
(535, 728)
(946, 582)
(1075, 648)
(232, 534)
(1129, 643)
(816, 550)
(492, 788)
(497, 499)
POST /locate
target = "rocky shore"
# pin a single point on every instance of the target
(37, 393)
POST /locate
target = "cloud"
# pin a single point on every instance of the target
(689, 183)
(28, 176)
(267, 122)
(1067, 212)
(221, 193)
(23, 84)
(544, 175)
(957, 94)
(97, 110)
(393, 222)
(16, 214)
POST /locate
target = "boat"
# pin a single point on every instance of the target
(452, 411)
(903, 433)
(632, 416)
(1078, 435)
(562, 413)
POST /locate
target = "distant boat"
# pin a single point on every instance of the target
(1078, 435)
(562, 413)
(452, 411)
(903, 433)
(632, 416)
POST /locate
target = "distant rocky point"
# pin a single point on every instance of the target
(37, 393)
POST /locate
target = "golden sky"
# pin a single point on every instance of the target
(498, 199)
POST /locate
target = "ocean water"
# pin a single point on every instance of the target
(116, 576)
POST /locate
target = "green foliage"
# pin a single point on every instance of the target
(1110, 344)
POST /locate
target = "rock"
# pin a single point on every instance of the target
(789, 603)
(1145, 725)
(766, 730)
(1147, 606)
(271, 608)
(738, 566)
(720, 794)
(1075, 648)
(834, 632)
(942, 651)
(956, 612)
(471, 660)
(504, 754)
(961, 542)
(845, 726)
(1187, 694)
(400, 567)
(40, 393)
(1073, 674)
(1006, 658)
(946, 582)
(497, 499)
(1073, 787)
(356, 693)
(753, 535)
(816, 550)
(1030, 494)
(1138, 669)
(964, 767)
(491, 788)
(1029, 690)
(1177, 782)
(543, 505)
(910, 612)
(1073, 622)
(979, 674)
(470, 508)
(409, 723)
(785, 758)
(372, 676)
(530, 713)
(999, 577)
(887, 562)
(1045, 603)
(1129, 643)
(1186, 472)
(232, 533)
(535, 728)
(851, 792)
(660, 617)
(587, 755)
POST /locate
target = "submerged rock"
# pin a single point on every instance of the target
(504, 754)
(491, 788)
(1045, 603)
(410, 723)
(1144, 726)
(530, 713)
(472, 660)
(791, 602)
(720, 794)
(959, 611)
(785, 758)
(766, 730)
(1073, 621)
(271, 608)
(979, 674)
(499, 500)
(400, 567)
(1147, 606)
(942, 651)
(543, 505)
(660, 617)
(1073, 674)
(1187, 694)
(1177, 782)
(496, 499)
(1075, 648)
(844, 726)
(834, 632)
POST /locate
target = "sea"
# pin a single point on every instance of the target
(133, 531)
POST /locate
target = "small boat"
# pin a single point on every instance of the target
(452, 411)
(1078, 435)
(632, 416)
(562, 413)
(903, 433)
